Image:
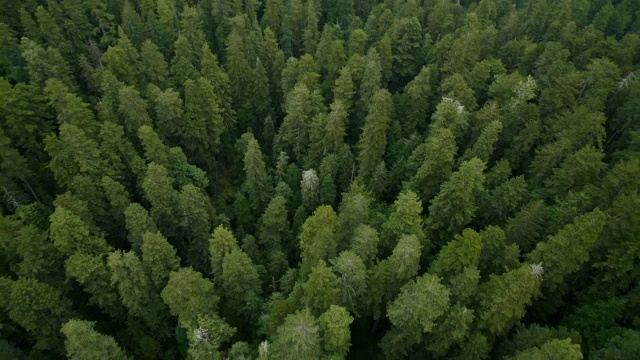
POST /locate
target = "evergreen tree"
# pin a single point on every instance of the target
(221, 244)
(155, 68)
(454, 207)
(159, 258)
(417, 94)
(317, 238)
(563, 253)
(298, 338)
(336, 336)
(241, 285)
(256, 184)
(203, 123)
(40, 309)
(414, 311)
(327, 132)
(404, 219)
(373, 141)
(189, 296)
(504, 298)
(123, 59)
(321, 290)
(84, 342)
(352, 277)
(294, 131)
(436, 168)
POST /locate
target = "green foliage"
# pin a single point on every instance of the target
(503, 299)
(414, 312)
(159, 258)
(221, 243)
(298, 338)
(189, 296)
(563, 253)
(411, 177)
(321, 290)
(336, 336)
(454, 207)
(405, 219)
(84, 342)
(352, 277)
(317, 238)
(373, 141)
(241, 285)
(554, 349)
(462, 252)
(40, 309)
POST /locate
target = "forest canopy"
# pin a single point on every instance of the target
(320, 179)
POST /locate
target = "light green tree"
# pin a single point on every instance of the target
(84, 342)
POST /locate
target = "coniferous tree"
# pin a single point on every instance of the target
(373, 140)
(439, 173)
(454, 207)
(83, 342)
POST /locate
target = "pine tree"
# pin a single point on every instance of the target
(454, 207)
(273, 230)
(417, 96)
(327, 133)
(159, 259)
(203, 123)
(321, 290)
(414, 312)
(373, 141)
(256, 185)
(221, 244)
(317, 238)
(195, 224)
(371, 81)
(390, 274)
(406, 46)
(554, 349)
(563, 253)
(133, 109)
(158, 188)
(211, 70)
(365, 243)
(462, 252)
(44, 64)
(404, 219)
(352, 277)
(155, 68)
(135, 288)
(484, 147)
(503, 299)
(355, 209)
(190, 296)
(70, 107)
(92, 272)
(273, 59)
(138, 222)
(242, 287)
(84, 342)
(439, 159)
(294, 131)
(123, 60)
(336, 335)
(297, 338)
(452, 115)
(70, 233)
(343, 90)
(40, 309)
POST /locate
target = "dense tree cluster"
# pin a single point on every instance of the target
(320, 179)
